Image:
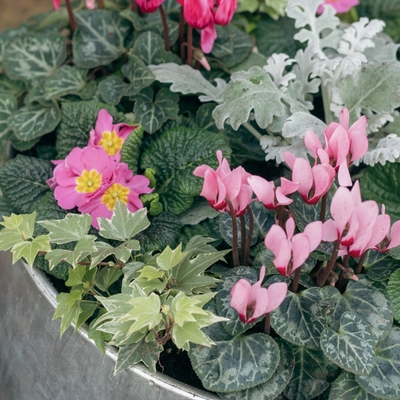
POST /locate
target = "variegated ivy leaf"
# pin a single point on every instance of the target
(220, 367)
(8, 105)
(169, 258)
(24, 224)
(29, 249)
(352, 346)
(187, 80)
(72, 228)
(186, 309)
(253, 91)
(384, 379)
(346, 387)
(82, 249)
(124, 224)
(100, 37)
(107, 276)
(33, 121)
(34, 56)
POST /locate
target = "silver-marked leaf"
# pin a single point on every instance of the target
(352, 347)
(380, 266)
(5, 38)
(384, 379)
(124, 224)
(187, 80)
(34, 121)
(393, 290)
(34, 56)
(302, 316)
(67, 80)
(310, 374)
(345, 387)
(112, 89)
(139, 75)
(150, 48)
(8, 105)
(152, 112)
(100, 37)
(369, 304)
(11, 87)
(270, 389)
(70, 229)
(220, 367)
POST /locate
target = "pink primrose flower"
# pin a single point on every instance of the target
(83, 172)
(291, 251)
(269, 195)
(124, 187)
(341, 6)
(253, 301)
(224, 183)
(314, 181)
(109, 136)
(149, 6)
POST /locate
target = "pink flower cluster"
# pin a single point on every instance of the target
(93, 178)
(200, 14)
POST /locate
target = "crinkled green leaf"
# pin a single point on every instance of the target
(124, 224)
(34, 121)
(352, 346)
(100, 37)
(34, 56)
(220, 367)
(152, 112)
(384, 379)
(72, 228)
(174, 155)
(130, 151)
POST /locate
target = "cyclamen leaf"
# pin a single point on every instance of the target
(124, 224)
(99, 38)
(393, 290)
(72, 228)
(34, 56)
(112, 89)
(11, 87)
(8, 105)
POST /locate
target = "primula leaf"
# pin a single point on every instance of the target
(346, 387)
(152, 112)
(23, 182)
(310, 374)
(382, 184)
(100, 37)
(34, 121)
(251, 91)
(72, 228)
(29, 249)
(187, 80)
(34, 56)
(352, 347)
(220, 367)
(384, 379)
(147, 352)
(174, 155)
(8, 105)
(130, 151)
(302, 316)
(124, 224)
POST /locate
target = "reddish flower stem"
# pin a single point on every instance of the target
(190, 46)
(324, 273)
(242, 237)
(323, 207)
(235, 247)
(296, 280)
(134, 6)
(70, 15)
(249, 236)
(165, 28)
(267, 323)
(361, 263)
(181, 34)
(100, 3)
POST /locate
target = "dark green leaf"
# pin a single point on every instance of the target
(130, 150)
(8, 105)
(380, 266)
(138, 74)
(11, 87)
(393, 290)
(112, 89)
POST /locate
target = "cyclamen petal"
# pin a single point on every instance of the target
(225, 11)
(341, 6)
(394, 236)
(149, 6)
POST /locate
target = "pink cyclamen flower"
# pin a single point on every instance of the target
(291, 251)
(149, 6)
(269, 195)
(208, 36)
(223, 184)
(225, 11)
(109, 136)
(124, 187)
(253, 301)
(77, 178)
(56, 4)
(197, 13)
(314, 181)
(341, 6)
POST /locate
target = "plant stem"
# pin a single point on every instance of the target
(321, 278)
(134, 6)
(267, 323)
(243, 237)
(252, 130)
(361, 263)
(181, 34)
(280, 213)
(323, 207)
(71, 15)
(190, 46)
(235, 247)
(100, 3)
(165, 28)
(249, 236)
(296, 280)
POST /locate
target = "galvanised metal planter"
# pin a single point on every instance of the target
(36, 364)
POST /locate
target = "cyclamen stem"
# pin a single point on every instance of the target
(165, 28)
(243, 241)
(181, 34)
(100, 3)
(249, 236)
(296, 280)
(235, 247)
(267, 323)
(361, 263)
(134, 6)
(323, 207)
(70, 15)
(321, 278)
(280, 212)
(190, 46)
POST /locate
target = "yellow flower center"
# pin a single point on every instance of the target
(111, 142)
(114, 193)
(88, 182)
